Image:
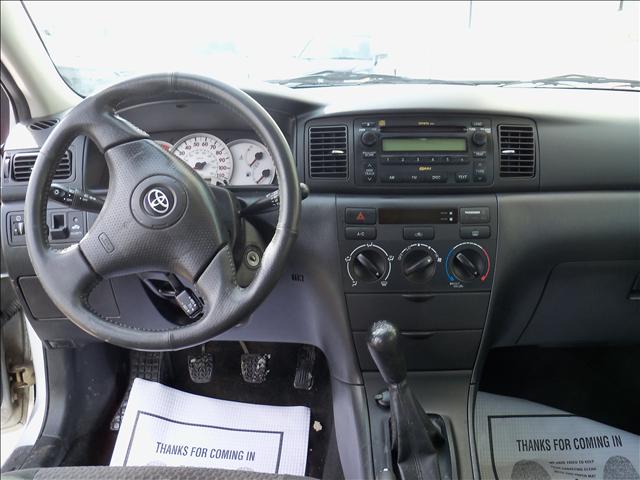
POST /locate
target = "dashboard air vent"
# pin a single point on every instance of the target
(43, 124)
(23, 164)
(517, 151)
(327, 149)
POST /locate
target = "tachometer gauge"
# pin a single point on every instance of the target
(207, 155)
(252, 163)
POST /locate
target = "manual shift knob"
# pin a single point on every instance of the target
(384, 347)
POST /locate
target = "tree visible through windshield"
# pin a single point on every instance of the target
(95, 44)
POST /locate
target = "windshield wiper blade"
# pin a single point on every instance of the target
(337, 77)
(573, 78)
(328, 78)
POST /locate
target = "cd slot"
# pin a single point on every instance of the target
(423, 129)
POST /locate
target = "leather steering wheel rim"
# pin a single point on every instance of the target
(128, 236)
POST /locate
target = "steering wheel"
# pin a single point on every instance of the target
(159, 215)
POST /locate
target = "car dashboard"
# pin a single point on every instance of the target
(472, 218)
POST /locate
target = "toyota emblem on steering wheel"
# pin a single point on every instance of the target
(157, 201)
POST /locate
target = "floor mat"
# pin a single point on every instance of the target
(521, 440)
(164, 426)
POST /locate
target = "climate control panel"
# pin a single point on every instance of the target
(391, 244)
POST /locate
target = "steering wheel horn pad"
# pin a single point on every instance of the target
(158, 215)
(158, 201)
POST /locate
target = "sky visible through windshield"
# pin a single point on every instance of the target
(95, 44)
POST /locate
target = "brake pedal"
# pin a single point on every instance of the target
(150, 366)
(254, 366)
(304, 368)
(200, 366)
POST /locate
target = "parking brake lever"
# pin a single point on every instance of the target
(271, 201)
(74, 198)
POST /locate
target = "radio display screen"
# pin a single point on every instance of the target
(424, 144)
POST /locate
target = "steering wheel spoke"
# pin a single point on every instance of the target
(70, 271)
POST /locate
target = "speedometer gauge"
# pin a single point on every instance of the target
(253, 164)
(207, 155)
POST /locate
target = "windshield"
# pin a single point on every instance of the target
(301, 44)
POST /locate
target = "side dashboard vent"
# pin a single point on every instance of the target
(43, 124)
(23, 163)
(328, 152)
(517, 151)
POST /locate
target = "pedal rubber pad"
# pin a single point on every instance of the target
(254, 367)
(200, 367)
(304, 368)
(150, 366)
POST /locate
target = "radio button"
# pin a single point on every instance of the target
(475, 123)
(368, 154)
(414, 178)
(479, 178)
(390, 178)
(418, 233)
(370, 173)
(463, 178)
(368, 124)
(437, 178)
(480, 154)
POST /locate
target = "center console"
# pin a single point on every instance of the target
(425, 264)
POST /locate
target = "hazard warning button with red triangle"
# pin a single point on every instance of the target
(360, 216)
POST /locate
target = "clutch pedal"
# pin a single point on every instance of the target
(200, 366)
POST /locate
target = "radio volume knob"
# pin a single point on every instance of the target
(479, 138)
(369, 138)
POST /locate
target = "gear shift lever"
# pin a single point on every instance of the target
(384, 347)
(416, 441)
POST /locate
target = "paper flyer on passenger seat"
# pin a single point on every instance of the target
(164, 426)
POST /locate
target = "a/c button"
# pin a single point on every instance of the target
(360, 233)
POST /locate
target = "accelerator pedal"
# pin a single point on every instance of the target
(304, 368)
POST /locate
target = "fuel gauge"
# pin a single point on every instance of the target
(252, 163)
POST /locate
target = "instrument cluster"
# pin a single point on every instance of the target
(243, 161)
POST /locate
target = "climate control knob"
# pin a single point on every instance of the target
(368, 263)
(468, 262)
(419, 263)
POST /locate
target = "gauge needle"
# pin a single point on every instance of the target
(199, 165)
(265, 174)
(258, 156)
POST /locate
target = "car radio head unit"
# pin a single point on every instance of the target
(416, 150)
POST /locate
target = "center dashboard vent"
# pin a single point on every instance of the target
(23, 163)
(517, 151)
(328, 152)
